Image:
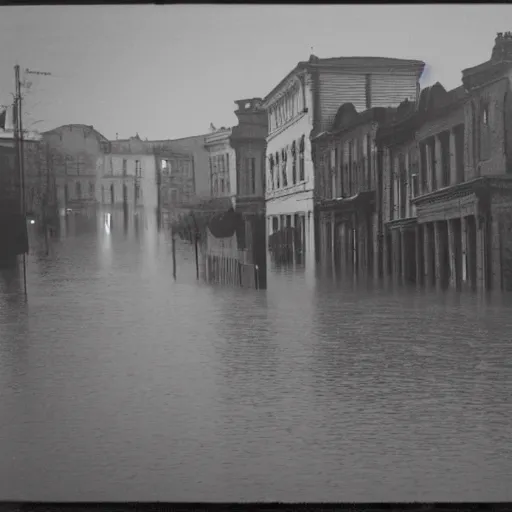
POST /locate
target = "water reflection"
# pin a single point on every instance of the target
(119, 383)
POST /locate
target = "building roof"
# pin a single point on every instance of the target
(350, 63)
(100, 136)
(347, 118)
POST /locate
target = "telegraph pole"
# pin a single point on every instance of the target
(21, 160)
(19, 136)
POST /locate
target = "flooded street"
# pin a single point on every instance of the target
(119, 383)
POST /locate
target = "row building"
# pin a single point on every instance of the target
(421, 192)
(304, 105)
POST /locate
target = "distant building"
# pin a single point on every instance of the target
(78, 151)
(39, 171)
(304, 104)
(128, 176)
(175, 181)
(248, 139)
(195, 146)
(221, 162)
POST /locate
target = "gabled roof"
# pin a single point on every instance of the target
(101, 137)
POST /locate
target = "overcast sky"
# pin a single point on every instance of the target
(168, 71)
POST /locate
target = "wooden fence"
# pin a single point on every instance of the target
(231, 271)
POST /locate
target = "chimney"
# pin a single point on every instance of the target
(117, 136)
(502, 47)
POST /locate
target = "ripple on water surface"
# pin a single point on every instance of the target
(119, 383)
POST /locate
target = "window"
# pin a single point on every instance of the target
(294, 163)
(252, 173)
(301, 158)
(340, 192)
(433, 164)
(221, 180)
(485, 132)
(423, 168)
(125, 167)
(138, 170)
(174, 196)
(402, 185)
(227, 163)
(271, 169)
(80, 164)
(91, 189)
(485, 114)
(78, 190)
(459, 153)
(351, 187)
(413, 173)
(102, 194)
(391, 183)
(111, 166)
(215, 186)
(278, 172)
(444, 140)
(284, 155)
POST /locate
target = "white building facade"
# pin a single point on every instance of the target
(222, 162)
(304, 104)
(128, 177)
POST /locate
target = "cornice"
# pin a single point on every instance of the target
(296, 78)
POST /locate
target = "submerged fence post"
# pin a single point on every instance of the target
(197, 254)
(173, 240)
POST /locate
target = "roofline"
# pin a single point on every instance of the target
(321, 63)
(91, 127)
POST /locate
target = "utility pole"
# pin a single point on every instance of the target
(21, 161)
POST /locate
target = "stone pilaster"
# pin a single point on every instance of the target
(375, 243)
(403, 256)
(452, 254)
(427, 255)
(495, 252)
(333, 239)
(419, 254)
(480, 254)
(395, 254)
(437, 245)
(385, 262)
(465, 277)
(453, 160)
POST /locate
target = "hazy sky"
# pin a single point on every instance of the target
(168, 71)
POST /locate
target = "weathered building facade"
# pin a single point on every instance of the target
(222, 163)
(195, 146)
(175, 181)
(78, 152)
(128, 178)
(303, 105)
(248, 139)
(345, 198)
(454, 228)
